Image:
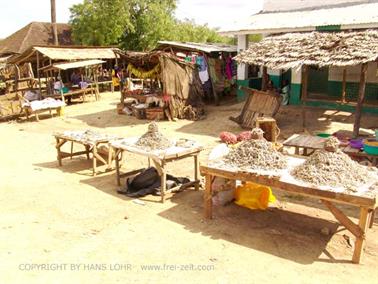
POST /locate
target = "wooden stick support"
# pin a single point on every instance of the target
(361, 97)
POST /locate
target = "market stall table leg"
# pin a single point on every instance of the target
(358, 230)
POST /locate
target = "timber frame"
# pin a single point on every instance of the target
(160, 163)
(367, 205)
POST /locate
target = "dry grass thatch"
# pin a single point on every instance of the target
(292, 50)
(35, 33)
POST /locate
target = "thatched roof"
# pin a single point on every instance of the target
(35, 33)
(315, 48)
(148, 59)
(67, 53)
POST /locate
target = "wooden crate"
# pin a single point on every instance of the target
(139, 113)
(156, 113)
(270, 128)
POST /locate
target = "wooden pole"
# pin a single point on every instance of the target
(264, 83)
(53, 22)
(343, 94)
(39, 77)
(304, 94)
(360, 100)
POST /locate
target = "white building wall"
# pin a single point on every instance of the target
(242, 68)
(296, 76)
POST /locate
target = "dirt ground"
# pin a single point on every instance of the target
(61, 225)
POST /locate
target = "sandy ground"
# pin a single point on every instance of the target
(61, 225)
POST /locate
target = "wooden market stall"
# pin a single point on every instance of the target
(68, 89)
(160, 86)
(216, 68)
(43, 57)
(299, 51)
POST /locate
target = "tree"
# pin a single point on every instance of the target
(153, 20)
(188, 31)
(100, 22)
(134, 24)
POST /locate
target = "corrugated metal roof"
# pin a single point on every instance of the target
(352, 15)
(204, 47)
(77, 64)
(58, 53)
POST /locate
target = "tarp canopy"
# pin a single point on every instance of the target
(77, 64)
(66, 53)
(194, 46)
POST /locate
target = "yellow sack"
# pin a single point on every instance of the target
(254, 196)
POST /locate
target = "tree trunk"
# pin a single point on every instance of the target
(361, 97)
(53, 22)
(264, 83)
(304, 94)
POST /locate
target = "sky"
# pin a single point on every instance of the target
(16, 14)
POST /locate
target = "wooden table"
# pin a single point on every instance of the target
(367, 204)
(309, 144)
(160, 159)
(91, 146)
(37, 112)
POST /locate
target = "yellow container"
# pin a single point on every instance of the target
(60, 111)
(254, 196)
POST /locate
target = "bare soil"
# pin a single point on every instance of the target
(64, 216)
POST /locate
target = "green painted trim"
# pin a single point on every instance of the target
(335, 89)
(295, 94)
(328, 28)
(276, 79)
(255, 83)
(341, 107)
(240, 96)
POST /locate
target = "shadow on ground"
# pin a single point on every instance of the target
(285, 234)
(109, 118)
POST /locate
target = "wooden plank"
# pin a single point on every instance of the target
(208, 201)
(163, 183)
(360, 100)
(303, 140)
(118, 153)
(343, 219)
(73, 154)
(304, 94)
(264, 83)
(360, 241)
(196, 171)
(343, 92)
(289, 187)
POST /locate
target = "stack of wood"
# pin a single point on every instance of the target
(10, 105)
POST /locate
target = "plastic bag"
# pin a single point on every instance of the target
(254, 196)
(224, 191)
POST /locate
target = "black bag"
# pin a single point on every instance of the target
(143, 180)
(149, 182)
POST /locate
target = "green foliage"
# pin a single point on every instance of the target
(100, 22)
(152, 20)
(134, 24)
(254, 38)
(189, 31)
